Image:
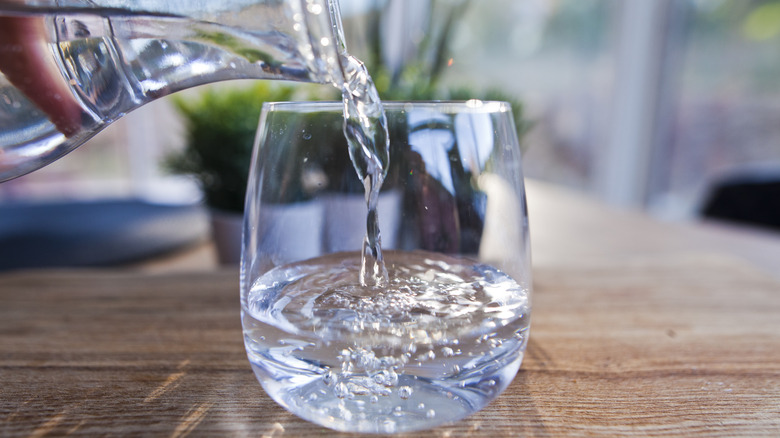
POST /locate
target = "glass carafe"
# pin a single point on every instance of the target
(68, 68)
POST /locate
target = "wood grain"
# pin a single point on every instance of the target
(686, 346)
(568, 227)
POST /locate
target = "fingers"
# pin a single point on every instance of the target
(27, 62)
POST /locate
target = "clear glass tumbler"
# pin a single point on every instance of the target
(445, 333)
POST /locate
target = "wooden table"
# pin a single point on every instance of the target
(661, 335)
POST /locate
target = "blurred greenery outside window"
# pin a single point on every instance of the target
(558, 58)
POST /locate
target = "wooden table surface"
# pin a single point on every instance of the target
(673, 333)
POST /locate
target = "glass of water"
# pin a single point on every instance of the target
(441, 329)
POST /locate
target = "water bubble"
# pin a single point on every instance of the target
(307, 135)
(341, 390)
(430, 355)
(397, 412)
(404, 392)
(329, 378)
(392, 378)
(262, 338)
(374, 399)
(421, 406)
(447, 352)
(430, 414)
(366, 359)
(313, 396)
(456, 369)
(428, 276)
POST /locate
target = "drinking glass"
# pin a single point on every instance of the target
(445, 333)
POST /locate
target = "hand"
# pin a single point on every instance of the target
(27, 62)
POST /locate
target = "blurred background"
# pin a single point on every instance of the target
(642, 104)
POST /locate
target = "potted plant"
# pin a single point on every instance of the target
(220, 125)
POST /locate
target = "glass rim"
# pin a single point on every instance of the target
(446, 106)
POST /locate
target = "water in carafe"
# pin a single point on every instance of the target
(68, 71)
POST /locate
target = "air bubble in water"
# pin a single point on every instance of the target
(329, 378)
(430, 355)
(430, 414)
(447, 352)
(341, 390)
(392, 378)
(404, 392)
(384, 378)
